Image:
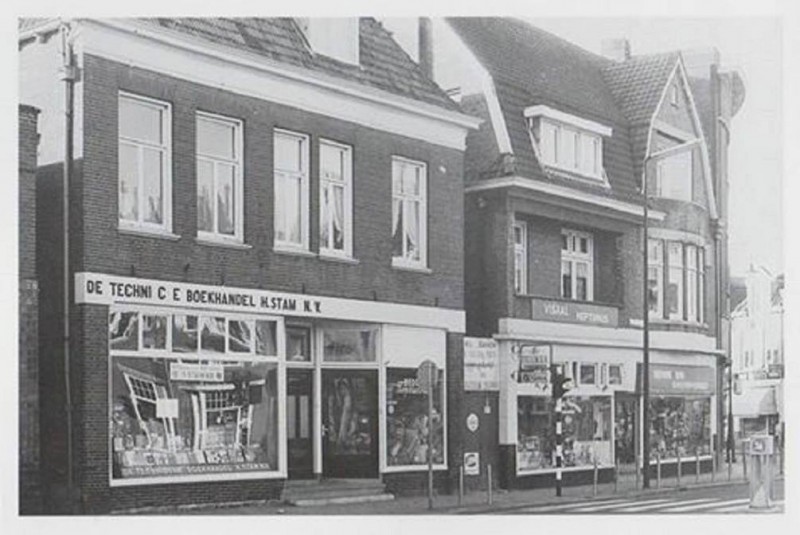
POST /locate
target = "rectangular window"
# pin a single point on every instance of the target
(681, 424)
(691, 284)
(614, 374)
(549, 143)
(701, 284)
(349, 344)
(290, 157)
(577, 261)
(569, 156)
(336, 199)
(220, 197)
(409, 213)
(337, 37)
(570, 149)
(674, 177)
(588, 374)
(675, 285)
(655, 278)
(520, 257)
(144, 163)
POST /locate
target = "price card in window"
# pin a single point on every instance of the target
(167, 408)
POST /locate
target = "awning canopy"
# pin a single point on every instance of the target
(755, 402)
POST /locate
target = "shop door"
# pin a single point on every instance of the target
(298, 423)
(350, 423)
(626, 410)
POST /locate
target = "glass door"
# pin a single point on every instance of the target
(350, 423)
(299, 418)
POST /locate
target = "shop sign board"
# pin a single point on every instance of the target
(481, 364)
(106, 289)
(472, 463)
(534, 365)
(572, 312)
(669, 379)
(179, 371)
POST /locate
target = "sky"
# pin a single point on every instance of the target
(750, 45)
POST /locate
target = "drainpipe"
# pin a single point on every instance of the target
(68, 76)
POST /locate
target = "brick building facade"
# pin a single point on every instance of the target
(553, 246)
(29, 454)
(223, 343)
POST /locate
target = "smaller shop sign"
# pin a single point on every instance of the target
(481, 364)
(534, 365)
(196, 372)
(775, 371)
(572, 312)
(472, 463)
(669, 379)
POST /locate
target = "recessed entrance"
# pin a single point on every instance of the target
(350, 423)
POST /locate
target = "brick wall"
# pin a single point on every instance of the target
(29, 452)
(106, 250)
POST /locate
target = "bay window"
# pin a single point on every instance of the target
(676, 282)
(577, 271)
(336, 210)
(144, 163)
(520, 257)
(291, 190)
(409, 213)
(219, 178)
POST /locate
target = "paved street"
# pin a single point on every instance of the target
(719, 499)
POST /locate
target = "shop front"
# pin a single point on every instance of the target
(223, 384)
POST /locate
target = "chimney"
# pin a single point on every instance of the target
(426, 46)
(617, 49)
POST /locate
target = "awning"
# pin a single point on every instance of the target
(755, 402)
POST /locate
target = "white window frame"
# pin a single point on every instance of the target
(692, 281)
(574, 257)
(687, 194)
(520, 257)
(165, 148)
(238, 177)
(405, 199)
(681, 308)
(657, 263)
(319, 38)
(347, 195)
(554, 138)
(673, 95)
(303, 177)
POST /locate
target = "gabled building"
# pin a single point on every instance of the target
(554, 272)
(264, 243)
(757, 354)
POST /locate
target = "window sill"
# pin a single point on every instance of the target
(683, 323)
(147, 233)
(338, 258)
(411, 267)
(223, 243)
(292, 251)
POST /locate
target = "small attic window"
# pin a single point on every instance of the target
(673, 95)
(568, 143)
(336, 38)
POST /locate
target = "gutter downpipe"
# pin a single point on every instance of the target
(69, 76)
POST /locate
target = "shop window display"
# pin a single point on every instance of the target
(407, 419)
(177, 414)
(586, 432)
(680, 425)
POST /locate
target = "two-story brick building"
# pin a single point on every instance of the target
(554, 214)
(264, 238)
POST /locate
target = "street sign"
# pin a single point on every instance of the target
(472, 463)
(426, 374)
(761, 445)
(472, 422)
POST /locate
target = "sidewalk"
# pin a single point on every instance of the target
(476, 502)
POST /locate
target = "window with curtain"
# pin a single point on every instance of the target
(336, 215)
(409, 213)
(219, 177)
(577, 265)
(144, 168)
(291, 189)
(520, 257)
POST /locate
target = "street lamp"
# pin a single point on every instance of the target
(648, 159)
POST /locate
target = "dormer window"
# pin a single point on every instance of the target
(336, 38)
(567, 143)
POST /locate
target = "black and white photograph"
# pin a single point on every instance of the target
(496, 264)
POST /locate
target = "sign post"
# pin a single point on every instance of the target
(426, 375)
